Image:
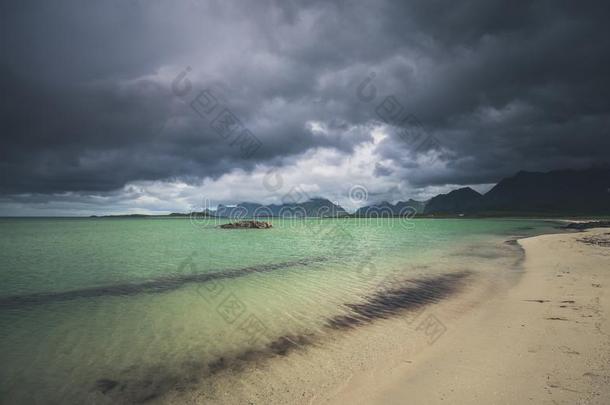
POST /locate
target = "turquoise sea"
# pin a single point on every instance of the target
(127, 310)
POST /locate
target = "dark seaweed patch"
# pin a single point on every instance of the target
(157, 381)
(104, 385)
(381, 305)
(159, 285)
(414, 295)
(285, 344)
(217, 365)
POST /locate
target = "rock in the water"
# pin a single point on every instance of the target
(588, 225)
(247, 225)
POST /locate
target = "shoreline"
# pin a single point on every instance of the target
(494, 320)
(352, 361)
(528, 330)
(544, 340)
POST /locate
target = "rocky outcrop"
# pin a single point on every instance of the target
(588, 225)
(247, 225)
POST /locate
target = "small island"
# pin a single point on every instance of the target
(247, 225)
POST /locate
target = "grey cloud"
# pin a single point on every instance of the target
(87, 102)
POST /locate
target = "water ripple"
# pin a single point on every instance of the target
(158, 285)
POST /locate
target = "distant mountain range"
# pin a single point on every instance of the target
(559, 192)
(461, 201)
(315, 207)
(401, 208)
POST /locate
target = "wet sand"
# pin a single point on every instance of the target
(544, 340)
(307, 367)
(386, 329)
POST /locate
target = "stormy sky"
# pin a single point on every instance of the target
(161, 106)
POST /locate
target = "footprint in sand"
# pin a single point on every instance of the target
(567, 350)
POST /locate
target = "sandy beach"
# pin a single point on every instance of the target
(543, 340)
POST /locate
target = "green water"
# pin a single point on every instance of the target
(83, 301)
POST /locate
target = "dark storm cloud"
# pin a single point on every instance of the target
(87, 104)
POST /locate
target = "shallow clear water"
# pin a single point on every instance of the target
(86, 304)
